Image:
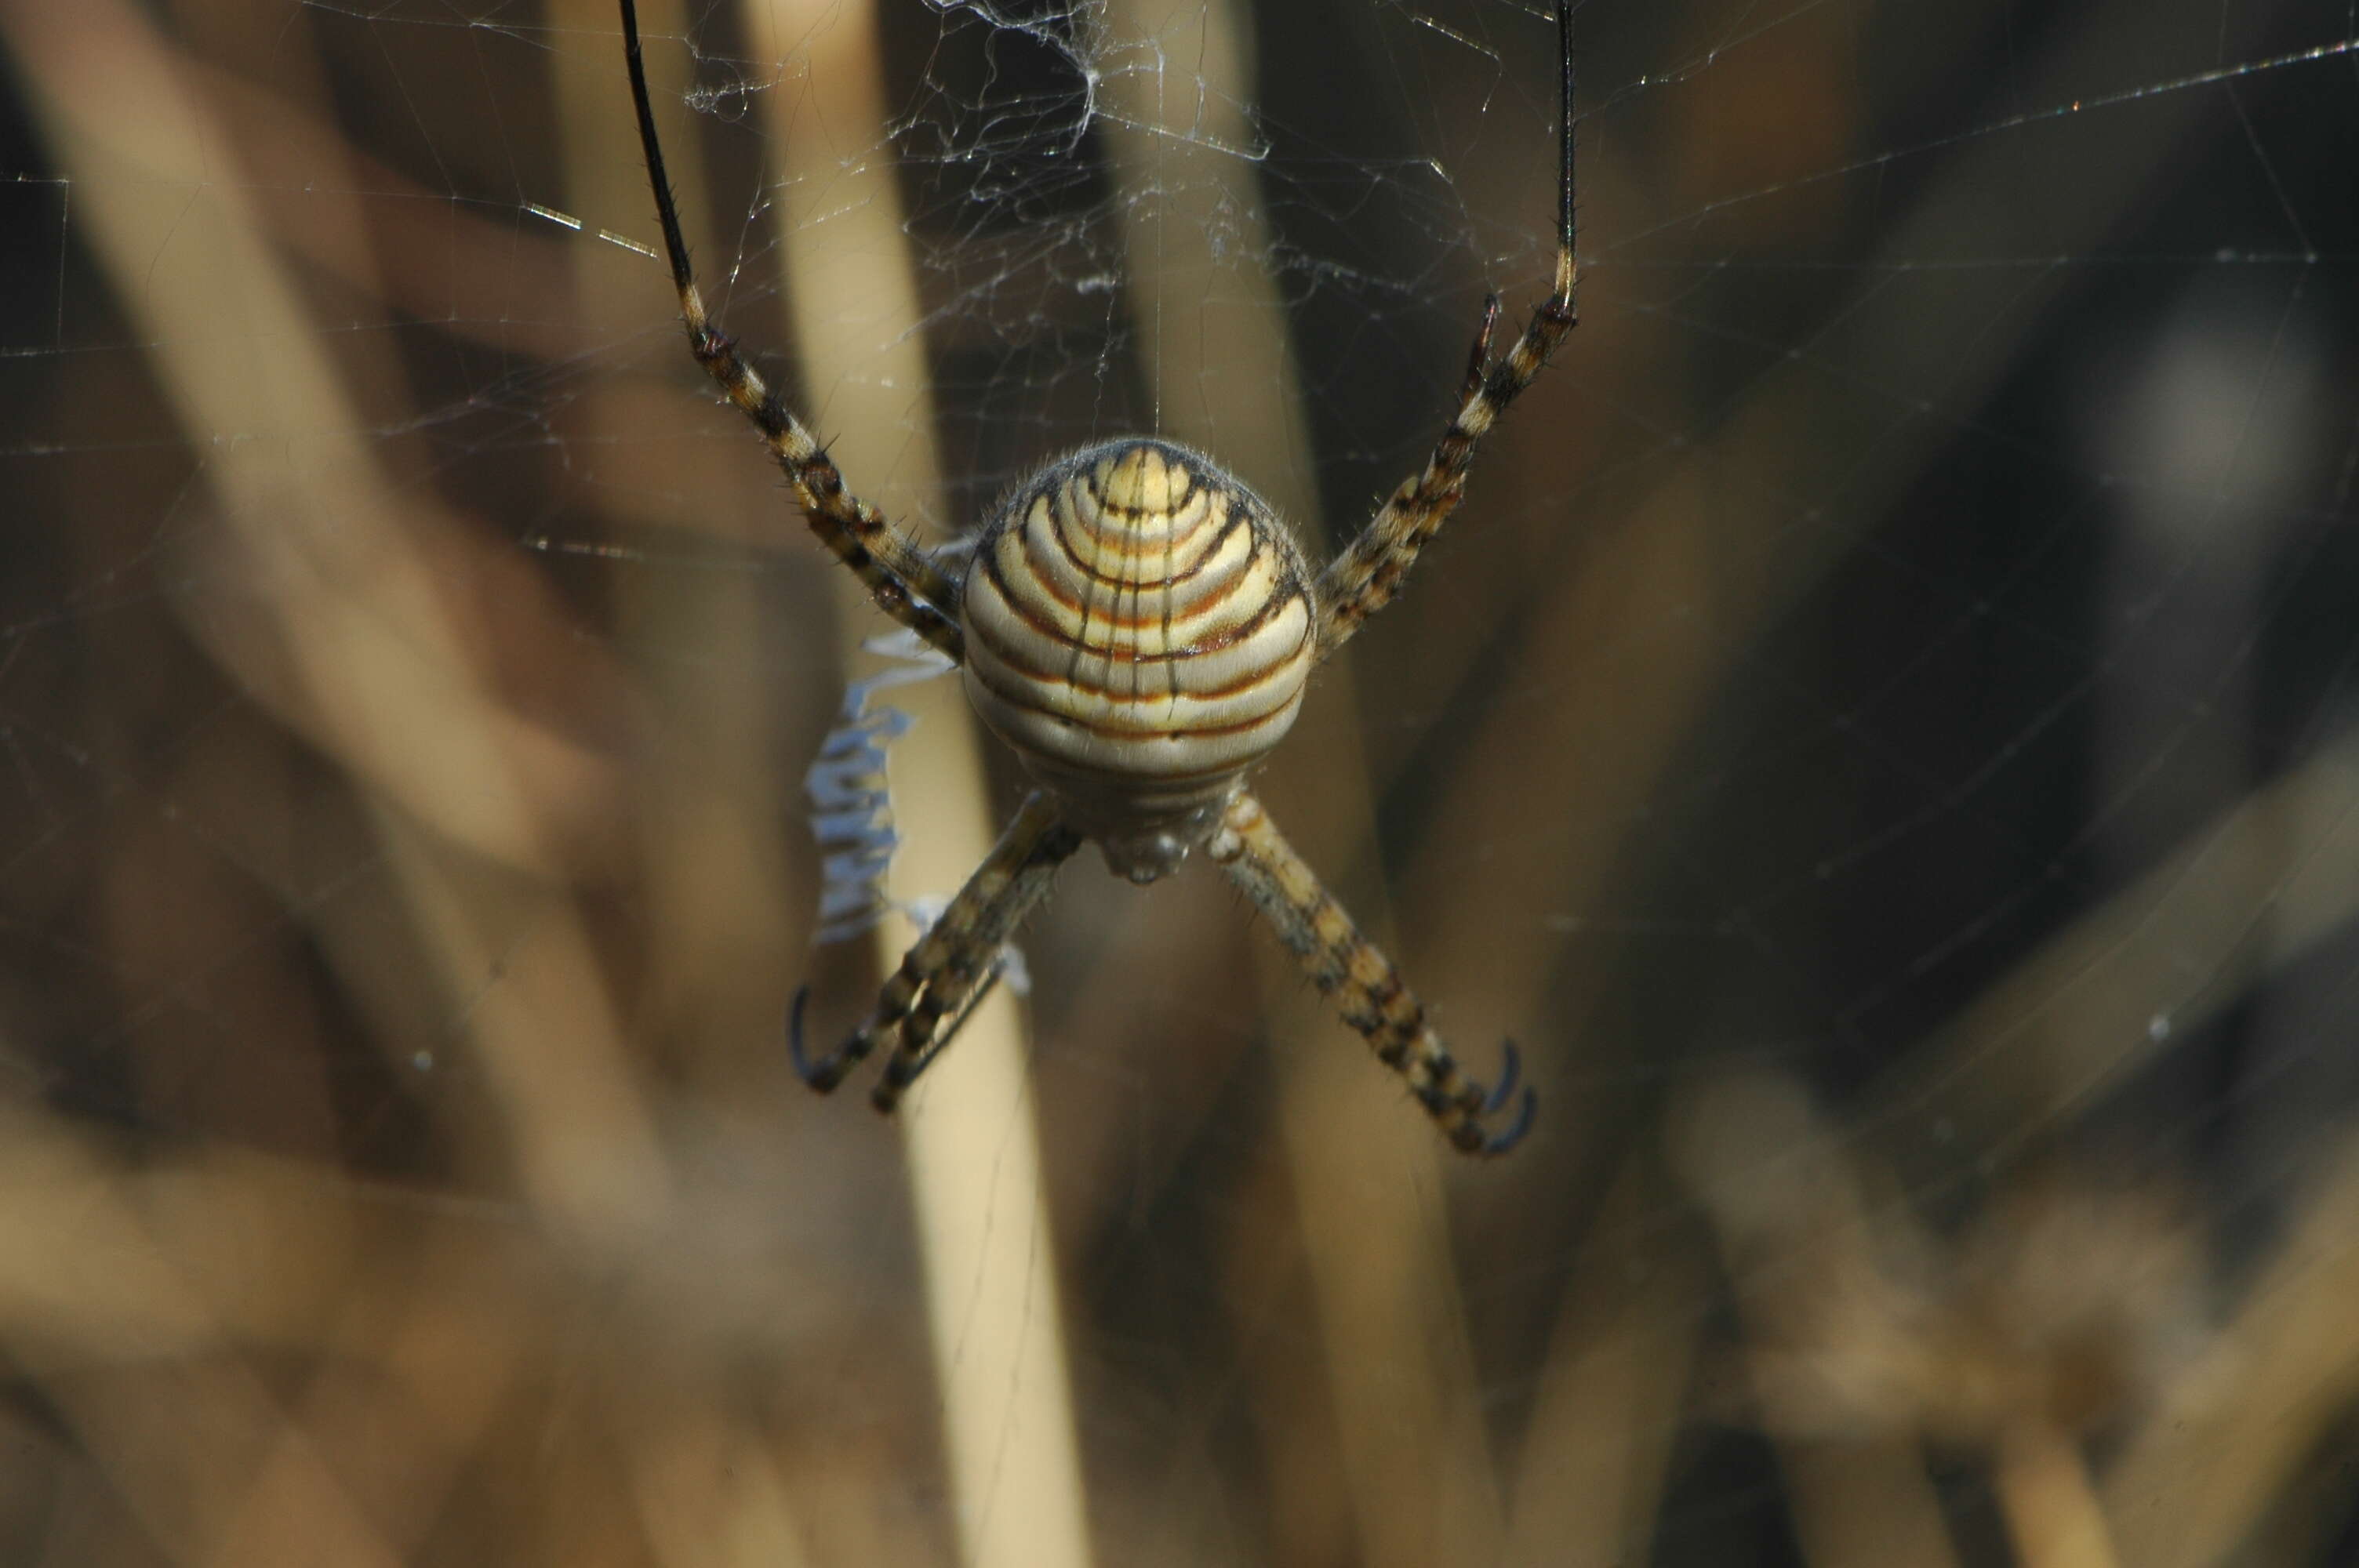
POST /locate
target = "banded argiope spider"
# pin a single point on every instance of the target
(1140, 627)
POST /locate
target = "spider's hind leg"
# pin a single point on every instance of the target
(1348, 968)
(946, 975)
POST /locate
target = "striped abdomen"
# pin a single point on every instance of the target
(1137, 628)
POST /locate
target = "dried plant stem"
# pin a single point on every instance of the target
(971, 1140)
(352, 633)
(2238, 1425)
(2247, 894)
(2051, 1511)
(1605, 1418)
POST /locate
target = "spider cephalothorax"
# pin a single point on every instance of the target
(1139, 626)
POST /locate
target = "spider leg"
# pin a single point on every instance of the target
(904, 580)
(1345, 966)
(1364, 578)
(1478, 358)
(943, 1035)
(952, 966)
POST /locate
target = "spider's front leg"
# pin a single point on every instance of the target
(1364, 578)
(952, 966)
(906, 582)
(1347, 966)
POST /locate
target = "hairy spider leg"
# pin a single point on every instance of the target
(903, 580)
(1365, 577)
(948, 970)
(1350, 969)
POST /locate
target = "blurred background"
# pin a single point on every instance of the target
(1880, 736)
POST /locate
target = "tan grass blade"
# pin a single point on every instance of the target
(971, 1139)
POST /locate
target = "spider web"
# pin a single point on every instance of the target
(1879, 737)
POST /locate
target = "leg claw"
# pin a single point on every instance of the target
(821, 1076)
(1480, 1105)
(1500, 1142)
(1511, 1066)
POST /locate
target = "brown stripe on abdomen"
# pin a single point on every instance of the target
(1134, 613)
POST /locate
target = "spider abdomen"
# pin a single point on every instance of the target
(1137, 629)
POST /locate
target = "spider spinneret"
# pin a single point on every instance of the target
(1140, 627)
